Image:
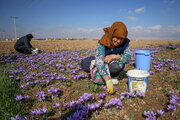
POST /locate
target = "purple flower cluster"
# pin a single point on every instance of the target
(171, 107)
(102, 95)
(133, 94)
(61, 77)
(58, 65)
(54, 91)
(11, 76)
(71, 66)
(173, 66)
(35, 82)
(56, 105)
(41, 95)
(80, 114)
(160, 112)
(113, 102)
(78, 77)
(150, 115)
(18, 118)
(84, 98)
(39, 111)
(95, 106)
(158, 67)
(44, 68)
(20, 97)
(173, 101)
(151, 72)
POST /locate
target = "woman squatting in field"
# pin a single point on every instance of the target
(111, 56)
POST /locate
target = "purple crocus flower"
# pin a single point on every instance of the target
(62, 69)
(18, 98)
(102, 95)
(17, 78)
(34, 112)
(39, 111)
(151, 72)
(122, 97)
(106, 105)
(171, 92)
(85, 97)
(56, 105)
(95, 106)
(171, 108)
(150, 115)
(41, 95)
(43, 110)
(119, 105)
(160, 112)
(78, 77)
(80, 114)
(72, 104)
(91, 107)
(173, 101)
(131, 94)
(11, 76)
(54, 91)
(172, 66)
(113, 101)
(27, 97)
(140, 94)
(18, 118)
(21, 86)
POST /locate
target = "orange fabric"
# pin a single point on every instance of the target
(117, 29)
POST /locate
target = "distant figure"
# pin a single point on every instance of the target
(23, 44)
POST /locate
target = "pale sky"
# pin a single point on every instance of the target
(87, 18)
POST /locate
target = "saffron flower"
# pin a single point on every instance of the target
(56, 105)
(18, 118)
(95, 106)
(41, 95)
(171, 108)
(150, 115)
(18, 98)
(160, 112)
(102, 95)
(80, 114)
(39, 111)
(54, 91)
(85, 97)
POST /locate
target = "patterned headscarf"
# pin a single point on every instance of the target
(118, 29)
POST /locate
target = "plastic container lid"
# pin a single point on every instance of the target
(137, 73)
(143, 52)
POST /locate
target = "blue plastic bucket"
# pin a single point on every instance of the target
(138, 80)
(143, 59)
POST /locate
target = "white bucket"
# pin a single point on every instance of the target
(138, 79)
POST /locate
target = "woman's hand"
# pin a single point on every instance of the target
(109, 58)
(109, 84)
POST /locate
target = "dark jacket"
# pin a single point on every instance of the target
(118, 50)
(23, 41)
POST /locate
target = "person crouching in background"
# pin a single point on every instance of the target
(23, 45)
